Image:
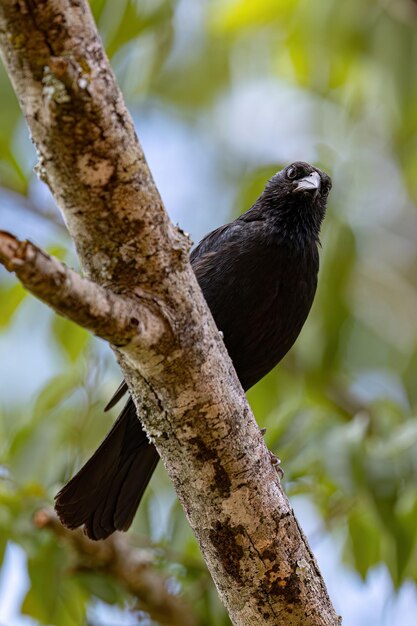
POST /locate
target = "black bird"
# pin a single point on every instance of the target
(258, 275)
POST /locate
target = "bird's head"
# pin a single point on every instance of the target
(297, 196)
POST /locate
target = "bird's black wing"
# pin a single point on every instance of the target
(214, 240)
(117, 396)
(210, 243)
(234, 232)
(258, 292)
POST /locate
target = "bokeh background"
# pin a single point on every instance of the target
(223, 94)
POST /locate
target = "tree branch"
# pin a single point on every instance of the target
(110, 316)
(131, 567)
(185, 388)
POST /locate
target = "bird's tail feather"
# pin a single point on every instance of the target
(105, 494)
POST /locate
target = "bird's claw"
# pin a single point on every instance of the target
(275, 461)
(276, 464)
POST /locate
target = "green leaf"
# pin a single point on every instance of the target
(102, 587)
(53, 393)
(230, 17)
(406, 535)
(3, 543)
(72, 339)
(365, 541)
(10, 300)
(58, 251)
(54, 597)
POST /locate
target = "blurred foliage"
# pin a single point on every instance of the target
(268, 81)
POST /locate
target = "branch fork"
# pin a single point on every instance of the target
(120, 320)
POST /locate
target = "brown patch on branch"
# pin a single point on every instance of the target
(133, 568)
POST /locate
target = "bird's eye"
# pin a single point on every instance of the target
(292, 172)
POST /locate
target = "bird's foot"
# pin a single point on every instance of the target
(275, 461)
(276, 464)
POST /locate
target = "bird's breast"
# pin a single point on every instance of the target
(260, 302)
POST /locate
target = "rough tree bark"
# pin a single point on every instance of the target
(142, 296)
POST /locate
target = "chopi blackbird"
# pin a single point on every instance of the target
(258, 275)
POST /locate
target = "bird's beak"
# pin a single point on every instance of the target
(310, 183)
